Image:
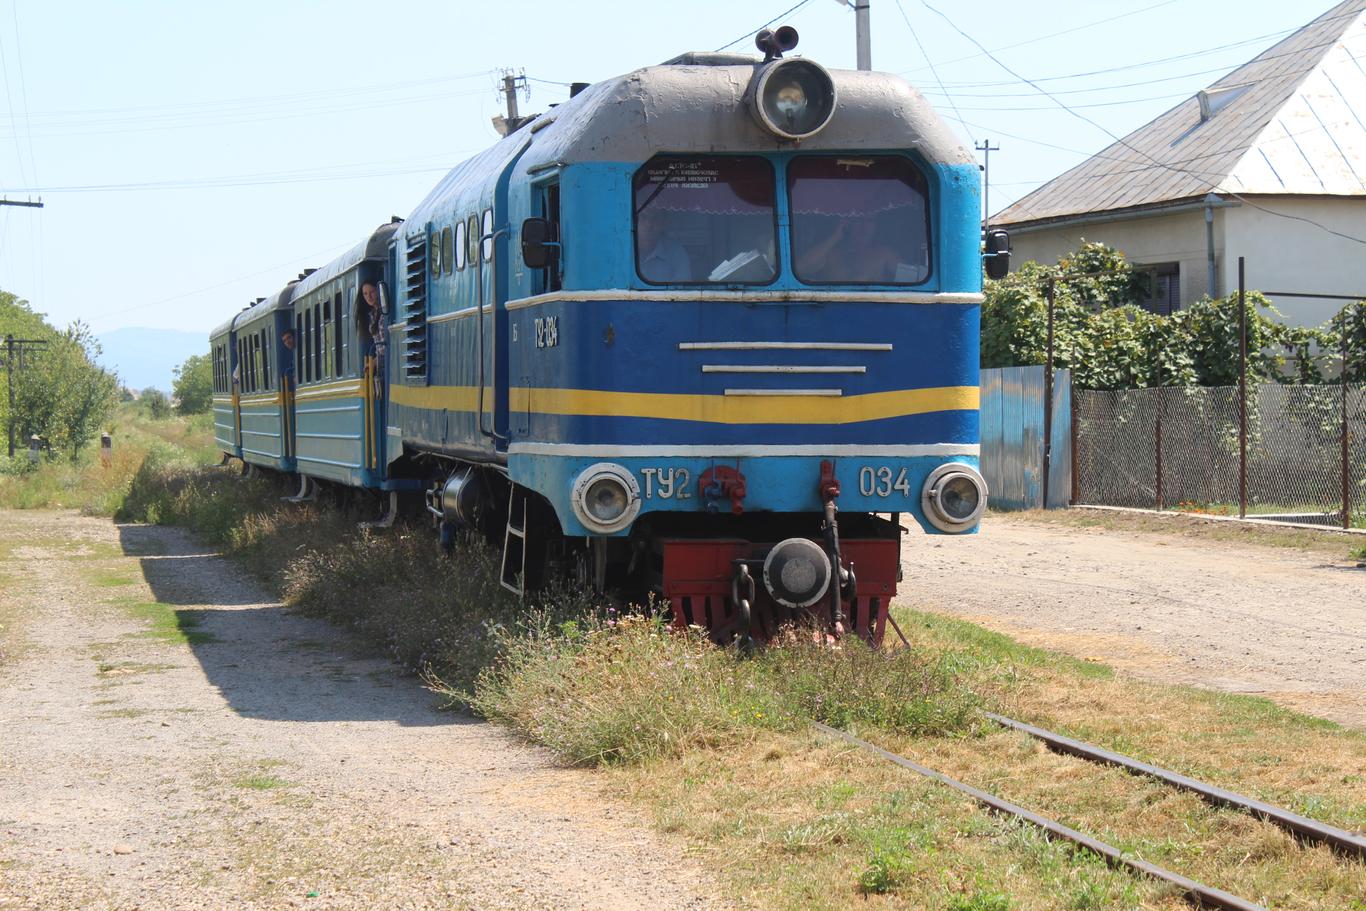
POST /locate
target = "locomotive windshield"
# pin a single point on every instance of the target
(705, 219)
(858, 220)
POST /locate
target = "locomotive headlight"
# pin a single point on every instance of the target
(606, 497)
(797, 572)
(954, 497)
(793, 99)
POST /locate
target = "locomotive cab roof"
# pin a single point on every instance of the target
(696, 103)
(693, 103)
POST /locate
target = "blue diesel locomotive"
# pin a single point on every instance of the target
(707, 330)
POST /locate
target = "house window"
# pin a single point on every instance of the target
(1164, 287)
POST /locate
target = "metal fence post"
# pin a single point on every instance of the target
(1242, 393)
(1157, 435)
(1346, 444)
(1072, 427)
(1048, 399)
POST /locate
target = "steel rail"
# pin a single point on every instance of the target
(1195, 892)
(1301, 826)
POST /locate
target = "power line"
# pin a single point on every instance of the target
(233, 118)
(1097, 104)
(1132, 148)
(23, 91)
(933, 69)
(1067, 31)
(1102, 88)
(1142, 64)
(9, 105)
(244, 180)
(784, 13)
(232, 281)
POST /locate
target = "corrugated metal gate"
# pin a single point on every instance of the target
(1013, 438)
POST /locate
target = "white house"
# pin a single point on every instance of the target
(1268, 163)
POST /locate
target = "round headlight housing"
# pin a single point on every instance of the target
(797, 572)
(606, 498)
(954, 497)
(794, 99)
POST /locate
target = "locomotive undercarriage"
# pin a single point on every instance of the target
(713, 570)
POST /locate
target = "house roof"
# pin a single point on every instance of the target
(1290, 121)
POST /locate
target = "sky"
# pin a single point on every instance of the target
(193, 156)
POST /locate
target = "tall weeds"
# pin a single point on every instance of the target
(632, 689)
(563, 668)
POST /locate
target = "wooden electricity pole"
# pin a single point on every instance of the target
(15, 351)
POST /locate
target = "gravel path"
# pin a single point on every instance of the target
(1247, 618)
(263, 763)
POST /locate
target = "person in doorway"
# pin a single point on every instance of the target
(287, 361)
(369, 292)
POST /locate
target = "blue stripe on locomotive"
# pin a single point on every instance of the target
(935, 345)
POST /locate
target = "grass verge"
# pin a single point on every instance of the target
(717, 745)
(96, 488)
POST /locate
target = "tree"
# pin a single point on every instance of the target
(156, 403)
(1111, 343)
(62, 395)
(193, 388)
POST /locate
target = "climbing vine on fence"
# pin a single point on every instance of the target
(1110, 342)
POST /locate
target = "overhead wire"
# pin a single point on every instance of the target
(1189, 55)
(1067, 31)
(290, 264)
(1095, 104)
(1103, 88)
(265, 178)
(787, 12)
(933, 68)
(23, 90)
(237, 118)
(1126, 144)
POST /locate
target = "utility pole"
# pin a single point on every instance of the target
(986, 148)
(19, 202)
(863, 35)
(15, 349)
(511, 83)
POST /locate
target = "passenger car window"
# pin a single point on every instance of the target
(705, 219)
(859, 220)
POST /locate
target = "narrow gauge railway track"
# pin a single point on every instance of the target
(1197, 893)
(1301, 827)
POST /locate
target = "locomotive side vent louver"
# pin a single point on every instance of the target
(415, 311)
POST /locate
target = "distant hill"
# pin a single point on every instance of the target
(147, 357)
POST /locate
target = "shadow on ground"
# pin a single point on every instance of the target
(267, 662)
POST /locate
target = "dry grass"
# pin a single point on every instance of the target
(792, 819)
(835, 824)
(99, 489)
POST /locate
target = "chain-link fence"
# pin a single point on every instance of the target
(1181, 448)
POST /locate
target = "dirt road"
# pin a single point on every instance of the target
(1282, 623)
(169, 738)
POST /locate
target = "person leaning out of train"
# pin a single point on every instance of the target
(287, 361)
(369, 292)
(853, 251)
